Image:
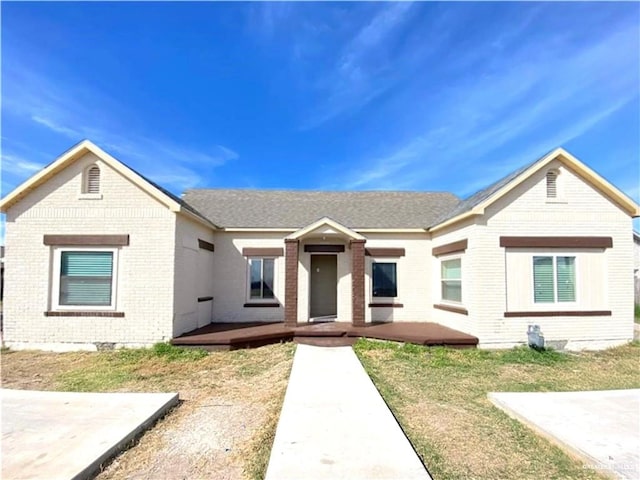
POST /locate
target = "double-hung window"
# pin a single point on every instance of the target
(451, 279)
(385, 282)
(554, 279)
(261, 278)
(84, 278)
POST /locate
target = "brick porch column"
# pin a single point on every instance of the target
(357, 282)
(291, 283)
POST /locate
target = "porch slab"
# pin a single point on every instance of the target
(247, 335)
(68, 435)
(599, 427)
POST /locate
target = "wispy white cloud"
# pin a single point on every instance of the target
(18, 165)
(362, 70)
(70, 110)
(549, 92)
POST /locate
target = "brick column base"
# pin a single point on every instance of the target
(291, 283)
(357, 282)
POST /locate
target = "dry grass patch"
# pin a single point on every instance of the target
(440, 398)
(224, 426)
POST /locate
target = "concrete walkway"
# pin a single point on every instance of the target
(66, 435)
(600, 427)
(335, 425)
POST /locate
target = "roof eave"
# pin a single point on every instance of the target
(597, 181)
(70, 156)
(197, 218)
(474, 212)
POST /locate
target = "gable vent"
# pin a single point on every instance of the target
(93, 180)
(552, 184)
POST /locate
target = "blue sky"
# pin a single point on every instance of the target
(394, 96)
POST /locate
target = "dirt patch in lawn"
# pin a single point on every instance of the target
(229, 401)
(440, 398)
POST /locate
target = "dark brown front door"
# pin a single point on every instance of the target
(324, 286)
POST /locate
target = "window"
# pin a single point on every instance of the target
(91, 181)
(385, 282)
(552, 184)
(451, 278)
(554, 279)
(261, 276)
(84, 278)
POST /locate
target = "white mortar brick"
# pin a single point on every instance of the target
(145, 267)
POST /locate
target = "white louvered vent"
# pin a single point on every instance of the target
(93, 180)
(552, 184)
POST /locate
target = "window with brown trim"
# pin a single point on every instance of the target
(385, 280)
(261, 278)
(84, 278)
(451, 279)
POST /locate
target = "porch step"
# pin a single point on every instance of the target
(326, 341)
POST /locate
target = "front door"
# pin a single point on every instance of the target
(324, 286)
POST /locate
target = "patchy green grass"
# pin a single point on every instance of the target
(127, 366)
(439, 396)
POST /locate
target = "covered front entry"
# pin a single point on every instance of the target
(324, 273)
(323, 304)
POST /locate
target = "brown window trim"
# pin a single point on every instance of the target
(262, 305)
(324, 248)
(79, 313)
(450, 308)
(384, 252)
(388, 305)
(568, 313)
(453, 247)
(86, 240)
(203, 244)
(262, 252)
(556, 242)
(204, 299)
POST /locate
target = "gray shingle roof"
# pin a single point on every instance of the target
(297, 209)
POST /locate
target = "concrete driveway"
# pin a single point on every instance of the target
(65, 435)
(600, 427)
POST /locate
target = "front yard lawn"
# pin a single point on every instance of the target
(224, 426)
(439, 396)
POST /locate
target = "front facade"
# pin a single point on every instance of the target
(97, 256)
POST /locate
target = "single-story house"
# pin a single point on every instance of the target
(97, 253)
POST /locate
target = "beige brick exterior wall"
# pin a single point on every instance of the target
(413, 278)
(580, 211)
(194, 276)
(458, 321)
(230, 288)
(145, 267)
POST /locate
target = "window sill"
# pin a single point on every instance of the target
(82, 313)
(90, 196)
(390, 305)
(556, 200)
(262, 305)
(560, 313)
(451, 308)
